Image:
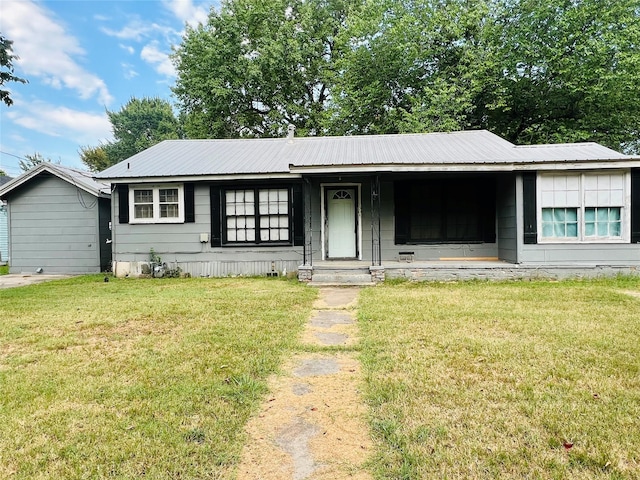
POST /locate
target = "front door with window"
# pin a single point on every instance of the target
(341, 223)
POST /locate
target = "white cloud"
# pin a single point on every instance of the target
(47, 51)
(187, 12)
(127, 48)
(158, 59)
(135, 30)
(85, 128)
(129, 71)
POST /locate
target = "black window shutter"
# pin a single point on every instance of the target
(123, 203)
(189, 203)
(216, 232)
(635, 205)
(529, 208)
(298, 215)
(401, 197)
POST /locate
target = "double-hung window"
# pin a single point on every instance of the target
(584, 207)
(156, 204)
(257, 215)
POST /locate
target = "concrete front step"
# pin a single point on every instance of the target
(341, 278)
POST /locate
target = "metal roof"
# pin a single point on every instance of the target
(81, 179)
(184, 158)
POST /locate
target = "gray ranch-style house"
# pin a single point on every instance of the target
(422, 206)
(58, 219)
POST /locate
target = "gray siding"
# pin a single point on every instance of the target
(179, 244)
(54, 226)
(573, 254)
(4, 235)
(390, 251)
(506, 213)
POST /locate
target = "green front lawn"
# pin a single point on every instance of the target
(504, 380)
(156, 378)
(138, 378)
(4, 269)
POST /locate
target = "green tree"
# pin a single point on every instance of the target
(31, 161)
(6, 71)
(564, 71)
(411, 66)
(95, 158)
(138, 125)
(259, 65)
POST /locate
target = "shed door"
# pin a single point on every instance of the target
(341, 223)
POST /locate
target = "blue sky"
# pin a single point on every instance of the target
(82, 57)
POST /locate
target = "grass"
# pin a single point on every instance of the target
(138, 378)
(4, 269)
(503, 380)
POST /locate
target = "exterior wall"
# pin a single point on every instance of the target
(179, 245)
(4, 234)
(507, 221)
(585, 255)
(53, 226)
(390, 251)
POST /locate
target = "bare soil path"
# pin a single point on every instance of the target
(312, 426)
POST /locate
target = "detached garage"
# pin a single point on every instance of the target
(59, 221)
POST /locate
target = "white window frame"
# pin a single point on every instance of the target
(156, 204)
(581, 203)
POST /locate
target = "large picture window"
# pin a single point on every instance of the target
(156, 204)
(446, 210)
(583, 207)
(257, 215)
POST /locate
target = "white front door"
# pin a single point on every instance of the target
(341, 223)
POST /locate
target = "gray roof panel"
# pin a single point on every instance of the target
(183, 158)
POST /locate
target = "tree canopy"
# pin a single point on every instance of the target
(6, 69)
(138, 125)
(530, 71)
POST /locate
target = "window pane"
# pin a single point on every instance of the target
(560, 222)
(614, 214)
(251, 235)
(143, 196)
(143, 211)
(264, 235)
(590, 215)
(169, 211)
(168, 195)
(590, 229)
(284, 234)
(616, 229)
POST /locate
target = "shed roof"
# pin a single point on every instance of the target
(81, 179)
(183, 158)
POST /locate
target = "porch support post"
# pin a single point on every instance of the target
(376, 247)
(308, 237)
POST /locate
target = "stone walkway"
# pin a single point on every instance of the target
(312, 426)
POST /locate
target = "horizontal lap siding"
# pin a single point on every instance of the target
(180, 243)
(587, 254)
(54, 226)
(506, 212)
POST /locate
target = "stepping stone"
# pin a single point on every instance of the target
(294, 439)
(317, 366)
(329, 338)
(329, 318)
(300, 389)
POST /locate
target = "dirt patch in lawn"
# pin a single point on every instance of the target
(312, 425)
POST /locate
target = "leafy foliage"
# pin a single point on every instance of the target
(138, 125)
(258, 66)
(6, 74)
(532, 72)
(31, 161)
